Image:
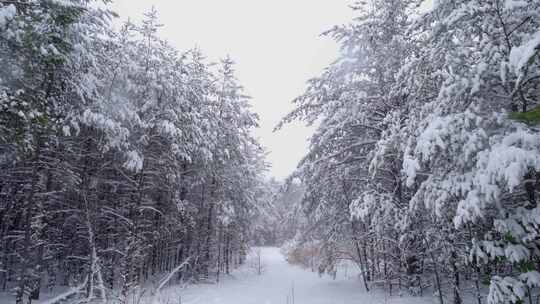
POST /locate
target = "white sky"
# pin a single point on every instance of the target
(275, 43)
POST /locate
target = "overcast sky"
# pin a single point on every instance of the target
(275, 43)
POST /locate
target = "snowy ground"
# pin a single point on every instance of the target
(275, 286)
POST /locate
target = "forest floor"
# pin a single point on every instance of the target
(277, 284)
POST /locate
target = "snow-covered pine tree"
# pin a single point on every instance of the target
(416, 128)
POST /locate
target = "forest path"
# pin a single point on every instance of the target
(275, 286)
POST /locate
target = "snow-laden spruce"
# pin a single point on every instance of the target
(430, 178)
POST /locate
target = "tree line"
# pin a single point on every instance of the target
(121, 158)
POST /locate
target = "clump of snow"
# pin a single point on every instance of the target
(360, 208)
(514, 4)
(169, 129)
(520, 56)
(66, 130)
(531, 278)
(511, 290)
(7, 13)
(500, 167)
(505, 290)
(477, 80)
(134, 161)
(410, 168)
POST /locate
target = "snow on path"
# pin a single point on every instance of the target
(275, 285)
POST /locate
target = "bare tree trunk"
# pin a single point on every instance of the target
(208, 245)
(259, 261)
(227, 252)
(456, 283)
(477, 284)
(23, 272)
(437, 278)
(28, 209)
(359, 253)
(220, 236)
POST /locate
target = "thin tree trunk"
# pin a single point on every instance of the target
(28, 209)
(218, 271)
(359, 253)
(227, 253)
(456, 283)
(437, 278)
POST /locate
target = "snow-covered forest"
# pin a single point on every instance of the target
(121, 157)
(129, 168)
